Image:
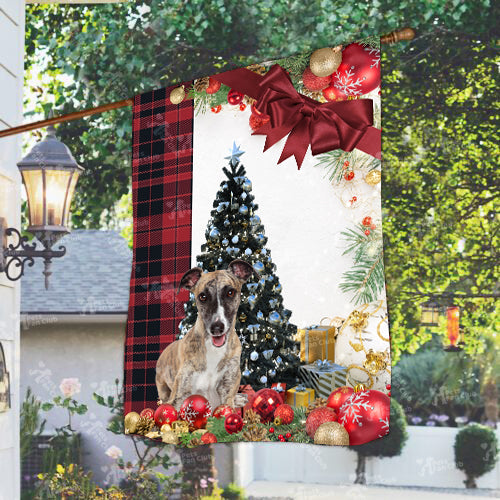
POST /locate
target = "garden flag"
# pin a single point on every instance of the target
(257, 297)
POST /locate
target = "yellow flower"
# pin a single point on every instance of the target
(60, 469)
(40, 476)
(70, 468)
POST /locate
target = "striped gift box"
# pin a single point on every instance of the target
(323, 376)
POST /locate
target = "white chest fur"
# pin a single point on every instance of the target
(205, 382)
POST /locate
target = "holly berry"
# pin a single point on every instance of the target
(388, 387)
(354, 198)
(346, 163)
(216, 109)
(389, 393)
(367, 221)
(349, 176)
(213, 86)
(367, 232)
(280, 437)
(271, 430)
(243, 106)
(288, 435)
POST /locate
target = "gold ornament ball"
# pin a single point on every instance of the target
(332, 434)
(170, 437)
(180, 427)
(325, 61)
(177, 95)
(131, 420)
(373, 178)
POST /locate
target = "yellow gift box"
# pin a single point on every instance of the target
(317, 342)
(299, 396)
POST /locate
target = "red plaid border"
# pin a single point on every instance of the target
(162, 171)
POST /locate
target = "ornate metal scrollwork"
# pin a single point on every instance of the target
(22, 253)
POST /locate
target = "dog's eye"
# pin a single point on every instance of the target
(202, 297)
(230, 293)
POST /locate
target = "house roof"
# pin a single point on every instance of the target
(92, 278)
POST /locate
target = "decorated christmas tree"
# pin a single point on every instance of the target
(269, 353)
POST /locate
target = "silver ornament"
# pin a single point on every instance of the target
(258, 266)
(225, 242)
(246, 373)
(252, 299)
(214, 233)
(263, 379)
(247, 185)
(272, 373)
(254, 355)
(252, 286)
(260, 315)
(248, 251)
(235, 239)
(227, 223)
(243, 210)
(268, 354)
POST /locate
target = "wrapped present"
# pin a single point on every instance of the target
(299, 396)
(323, 376)
(279, 387)
(317, 342)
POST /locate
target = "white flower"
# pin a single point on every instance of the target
(114, 452)
(70, 386)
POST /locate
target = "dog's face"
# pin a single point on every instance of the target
(217, 297)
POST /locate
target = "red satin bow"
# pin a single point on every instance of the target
(324, 126)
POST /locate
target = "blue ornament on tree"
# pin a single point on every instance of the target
(235, 239)
(275, 318)
(260, 316)
(214, 233)
(247, 185)
(252, 286)
(243, 210)
(248, 252)
(258, 266)
(252, 299)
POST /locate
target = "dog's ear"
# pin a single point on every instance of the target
(190, 279)
(241, 269)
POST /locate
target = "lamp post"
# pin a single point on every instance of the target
(50, 173)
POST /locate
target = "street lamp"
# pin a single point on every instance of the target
(50, 173)
(429, 314)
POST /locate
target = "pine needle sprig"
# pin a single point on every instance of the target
(295, 65)
(366, 278)
(203, 102)
(333, 162)
(371, 41)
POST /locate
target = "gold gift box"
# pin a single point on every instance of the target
(299, 396)
(317, 342)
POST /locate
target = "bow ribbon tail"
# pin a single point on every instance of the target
(297, 142)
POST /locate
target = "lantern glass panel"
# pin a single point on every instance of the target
(69, 199)
(57, 183)
(34, 190)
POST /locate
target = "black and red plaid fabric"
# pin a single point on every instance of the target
(162, 161)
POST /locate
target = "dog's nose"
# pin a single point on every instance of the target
(217, 328)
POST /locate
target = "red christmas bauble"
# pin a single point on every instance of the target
(195, 410)
(222, 411)
(233, 423)
(332, 93)
(208, 438)
(148, 413)
(213, 86)
(338, 397)
(367, 221)
(234, 97)
(243, 106)
(257, 121)
(317, 417)
(349, 176)
(365, 416)
(359, 72)
(313, 82)
(285, 412)
(265, 402)
(165, 414)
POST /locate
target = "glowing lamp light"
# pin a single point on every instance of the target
(453, 328)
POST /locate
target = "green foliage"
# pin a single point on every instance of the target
(440, 183)
(30, 424)
(434, 382)
(392, 444)
(233, 492)
(476, 451)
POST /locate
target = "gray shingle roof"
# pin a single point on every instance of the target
(93, 277)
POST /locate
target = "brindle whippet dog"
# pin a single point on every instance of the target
(206, 360)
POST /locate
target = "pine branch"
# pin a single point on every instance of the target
(204, 102)
(295, 65)
(371, 41)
